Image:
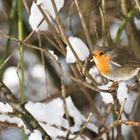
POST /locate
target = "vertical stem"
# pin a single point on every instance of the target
(11, 16)
(20, 37)
(23, 135)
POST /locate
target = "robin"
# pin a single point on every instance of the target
(116, 64)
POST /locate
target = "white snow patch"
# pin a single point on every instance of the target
(56, 132)
(50, 114)
(137, 23)
(54, 55)
(122, 93)
(47, 5)
(107, 97)
(10, 77)
(130, 102)
(53, 113)
(79, 47)
(53, 131)
(95, 74)
(36, 135)
(5, 108)
(9, 119)
(38, 72)
(36, 16)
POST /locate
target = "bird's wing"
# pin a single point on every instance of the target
(122, 57)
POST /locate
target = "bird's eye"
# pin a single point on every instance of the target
(101, 53)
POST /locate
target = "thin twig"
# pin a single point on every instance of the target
(106, 33)
(69, 15)
(64, 34)
(10, 30)
(83, 21)
(52, 42)
(2, 34)
(64, 100)
(6, 124)
(8, 58)
(42, 59)
(117, 107)
(121, 109)
(26, 6)
(44, 51)
(116, 123)
(83, 127)
(85, 84)
(29, 36)
(138, 4)
(104, 119)
(53, 31)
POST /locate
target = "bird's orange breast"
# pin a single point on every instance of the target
(103, 64)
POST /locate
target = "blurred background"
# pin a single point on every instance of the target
(42, 75)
